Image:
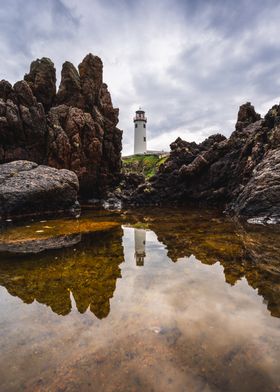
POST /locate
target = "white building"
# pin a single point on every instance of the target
(140, 142)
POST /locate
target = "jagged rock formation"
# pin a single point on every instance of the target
(246, 116)
(74, 129)
(27, 188)
(42, 81)
(242, 172)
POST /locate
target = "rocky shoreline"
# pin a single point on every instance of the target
(240, 174)
(56, 147)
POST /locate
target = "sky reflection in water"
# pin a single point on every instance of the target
(167, 302)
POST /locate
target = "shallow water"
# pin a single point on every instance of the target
(168, 300)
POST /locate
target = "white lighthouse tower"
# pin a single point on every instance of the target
(140, 143)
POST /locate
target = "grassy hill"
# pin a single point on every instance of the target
(142, 164)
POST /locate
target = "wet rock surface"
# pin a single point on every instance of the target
(73, 129)
(53, 234)
(240, 173)
(26, 188)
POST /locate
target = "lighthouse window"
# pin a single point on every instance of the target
(144, 125)
(136, 125)
(144, 139)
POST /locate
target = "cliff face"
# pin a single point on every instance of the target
(241, 173)
(74, 128)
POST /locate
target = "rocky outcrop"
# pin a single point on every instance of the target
(241, 173)
(23, 125)
(260, 196)
(246, 116)
(74, 129)
(27, 188)
(42, 81)
(70, 91)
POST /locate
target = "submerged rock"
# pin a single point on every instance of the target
(52, 234)
(27, 188)
(52, 230)
(34, 246)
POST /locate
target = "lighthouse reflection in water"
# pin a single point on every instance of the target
(139, 244)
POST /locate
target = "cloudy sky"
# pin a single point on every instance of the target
(188, 63)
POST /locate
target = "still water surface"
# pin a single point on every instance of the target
(167, 300)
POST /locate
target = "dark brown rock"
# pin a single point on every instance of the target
(5, 90)
(42, 80)
(70, 91)
(27, 188)
(75, 129)
(74, 143)
(23, 127)
(246, 116)
(91, 76)
(272, 118)
(259, 199)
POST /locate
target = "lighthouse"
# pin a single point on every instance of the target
(140, 142)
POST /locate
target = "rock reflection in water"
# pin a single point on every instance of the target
(88, 271)
(250, 251)
(187, 319)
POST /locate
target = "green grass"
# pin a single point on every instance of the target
(143, 164)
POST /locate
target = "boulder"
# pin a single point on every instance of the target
(27, 188)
